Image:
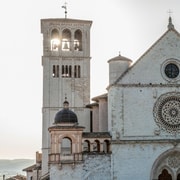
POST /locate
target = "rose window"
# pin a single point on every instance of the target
(167, 112)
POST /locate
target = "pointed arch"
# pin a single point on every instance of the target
(178, 176)
(165, 175)
(168, 160)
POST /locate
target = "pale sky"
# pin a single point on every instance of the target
(128, 26)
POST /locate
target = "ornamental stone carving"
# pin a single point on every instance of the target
(174, 161)
(167, 112)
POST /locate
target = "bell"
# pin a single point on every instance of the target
(76, 46)
(65, 47)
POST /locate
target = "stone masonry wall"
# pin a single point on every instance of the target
(94, 167)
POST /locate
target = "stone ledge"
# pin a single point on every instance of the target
(96, 135)
(174, 141)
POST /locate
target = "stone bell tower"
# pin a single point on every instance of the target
(66, 73)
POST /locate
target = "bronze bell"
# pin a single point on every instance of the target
(76, 46)
(65, 47)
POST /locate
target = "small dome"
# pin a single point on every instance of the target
(120, 58)
(65, 115)
(117, 66)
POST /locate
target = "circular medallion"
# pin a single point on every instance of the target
(167, 112)
(170, 70)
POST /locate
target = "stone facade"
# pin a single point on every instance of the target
(132, 132)
(143, 113)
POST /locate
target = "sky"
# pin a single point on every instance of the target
(126, 26)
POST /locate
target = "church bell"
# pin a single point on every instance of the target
(65, 47)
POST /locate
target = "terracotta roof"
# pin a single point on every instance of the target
(30, 168)
(92, 104)
(103, 96)
(17, 177)
(119, 58)
(45, 177)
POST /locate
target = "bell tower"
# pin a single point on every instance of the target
(66, 73)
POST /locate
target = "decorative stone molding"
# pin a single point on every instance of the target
(144, 85)
(157, 131)
(174, 161)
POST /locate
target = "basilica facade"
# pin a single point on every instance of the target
(131, 132)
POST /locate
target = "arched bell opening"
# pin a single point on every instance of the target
(78, 40)
(55, 40)
(66, 40)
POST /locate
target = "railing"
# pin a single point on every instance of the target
(57, 158)
(54, 158)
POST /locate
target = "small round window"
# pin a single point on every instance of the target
(171, 70)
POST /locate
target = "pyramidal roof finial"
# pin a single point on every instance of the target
(170, 25)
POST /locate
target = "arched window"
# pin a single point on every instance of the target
(70, 71)
(77, 71)
(96, 146)
(66, 39)
(62, 70)
(86, 146)
(66, 71)
(166, 165)
(106, 146)
(78, 40)
(55, 40)
(55, 72)
(66, 146)
(164, 175)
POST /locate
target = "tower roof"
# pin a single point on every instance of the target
(120, 58)
(65, 115)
